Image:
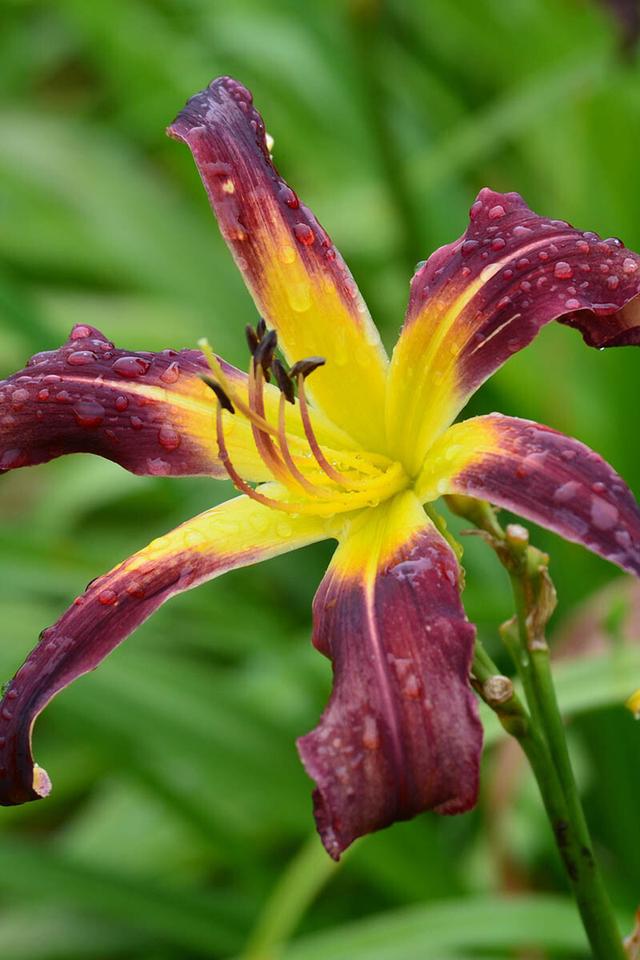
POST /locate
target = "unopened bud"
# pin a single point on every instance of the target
(497, 690)
(633, 704)
(517, 536)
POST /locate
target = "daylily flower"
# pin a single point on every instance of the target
(343, 444)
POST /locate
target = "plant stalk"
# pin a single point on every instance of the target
(539, 727)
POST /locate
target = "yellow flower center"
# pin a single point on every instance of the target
(312, 479)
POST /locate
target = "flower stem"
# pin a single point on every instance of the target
(540, 729)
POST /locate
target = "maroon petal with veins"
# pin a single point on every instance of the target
(401, 732)
(234, 534)
(479, 300)
(149, 412)
(542, 475)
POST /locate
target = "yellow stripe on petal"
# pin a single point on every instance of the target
(460, 446)
(424, 394)
(298, 279)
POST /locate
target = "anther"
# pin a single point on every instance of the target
(223, 399)
(302, 368)
(261, 328)
(283, 380)
(265, 350)
(252, 339)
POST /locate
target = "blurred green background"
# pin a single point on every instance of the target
(180, 826)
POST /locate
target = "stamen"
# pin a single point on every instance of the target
(264, 443)
(391, 482)
(321, 460)
(263, 356)
(284, 381)
(223, 399)
(310, 487)
(261, 328)
(221, 380)
(252, 339)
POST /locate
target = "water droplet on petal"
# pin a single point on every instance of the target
(304, 234)
(19, 398)
(80, 358)
(604, 515)
(171, 374)
(168, 437)
(157, 467)
(562, 270)
(121, 404)
(88, 413)
(131, 367)
(107, 598)
(497, 212)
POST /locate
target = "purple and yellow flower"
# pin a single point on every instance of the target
(337, 442)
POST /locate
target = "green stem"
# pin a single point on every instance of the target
(566, 817)
(543, 736)
(299, 884)
(572, 835)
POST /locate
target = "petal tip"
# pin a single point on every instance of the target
(41, 782)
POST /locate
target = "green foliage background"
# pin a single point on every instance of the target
(180, 826)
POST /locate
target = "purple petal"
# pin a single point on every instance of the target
(479, 300)
(149, 412)
(401, 732)
(235, 534)
(542, 475)
(300, 283)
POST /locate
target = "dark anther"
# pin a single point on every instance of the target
(261, 328)
(283, 381)
(265, 350)
(223, 399)
(302, 368)
(252, 339)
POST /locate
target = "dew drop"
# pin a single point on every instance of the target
(168, 437)
(562, 270)
(19, 398)
(370, 734)
(497, 212)
(288, 196)
(121, 404)
(629, 265)
(137, 423)
(171, 374)
(135, 589)
(88, 413)
(80, 358)
(11, 459)
(80, 332)
(303, 234)
(604, 515)
(613, 282)
(130, 367)
(572, 304)
(157, 467)
(107, 598)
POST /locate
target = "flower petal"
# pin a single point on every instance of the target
(401, 732)
(234, 534)
(298, 280)
(544, 476)
(149, 412)
(477, 301)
